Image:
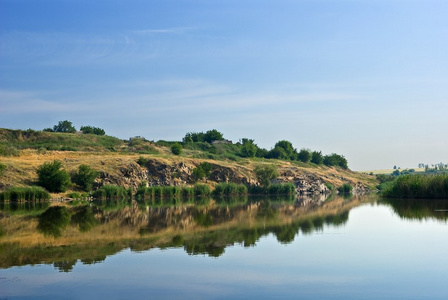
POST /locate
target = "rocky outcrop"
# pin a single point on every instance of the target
(165, 172)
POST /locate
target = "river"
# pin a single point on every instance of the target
(359, 247)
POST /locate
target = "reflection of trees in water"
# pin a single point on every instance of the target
(419, 209)
(24, 207)
(53, 221)
(84, 218)
(65, 265)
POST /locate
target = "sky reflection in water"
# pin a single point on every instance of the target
(376, 254)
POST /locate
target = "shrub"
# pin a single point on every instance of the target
(281, 189)
(304, 155)
(317, 158)
(265, 174)
(230, 189)
(176, 149)
(85, 177)
(202, 171)
(142, 161)
(248, 148)
(92, 130)
(418, 186)
(201, 190)
(345, 188)
(52, 177)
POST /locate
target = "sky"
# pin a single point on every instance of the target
(367, 79)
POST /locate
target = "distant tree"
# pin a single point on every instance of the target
(304, 155)
(176, 148)
(64, 126)
(290, 152)
(317, 158)
(277, 153)
(213, 135)
(53, 178)
(248, 148)
(47, 130)
(85, 177)
(335, 160)
(92, 130)
(265, 174)
(261, 152)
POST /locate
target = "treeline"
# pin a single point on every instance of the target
(67, 127)
(213, 142)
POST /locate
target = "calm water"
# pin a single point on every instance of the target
(358, 248)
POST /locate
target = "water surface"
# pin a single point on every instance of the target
(357, 248)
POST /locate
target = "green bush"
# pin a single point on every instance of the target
(64, 126)
(92, 130)
(265, 174)
(53, 178)
(201, 190)
(230, 189)
(85, 177)
(176, 149)
(345, 188)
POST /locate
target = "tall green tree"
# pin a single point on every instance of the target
(248, 148)
(304, 155)
(64, 126)
(317, 158)
(290, 152)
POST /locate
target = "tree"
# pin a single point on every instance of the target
(317, 158)
(53, 178)
(277, 153)
(335, 160)
(64, 126)
(92, 130)
(265, 174)
(304, 155)
(248, 148)
(213, 135)
(176, 149)
(85, 177)
(290, 152)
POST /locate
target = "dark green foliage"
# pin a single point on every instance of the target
(317, 158)
(176, 149)
(142, 161)
(112, 192)
(265, 174)
(92, 130)
(289, 151)
(248, 148)
(277, 153)
(140, 145)
(202, 171)
(54, 220)
(52, 177)
(85, 177)
(209, 137)
(282, 189)
(345, 188)
(64, 126)
(304, 155)
(418, 186)
(229, 189)
(329, 186)
(335, 160)
(19, 194)
(201, 190)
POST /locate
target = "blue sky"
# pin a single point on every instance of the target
(367, 79)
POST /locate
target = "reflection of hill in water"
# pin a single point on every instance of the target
(419, 209)
(91, 233)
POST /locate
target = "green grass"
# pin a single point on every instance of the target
(418, 186)
(20, 194)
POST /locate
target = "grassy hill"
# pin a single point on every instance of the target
(22, 152)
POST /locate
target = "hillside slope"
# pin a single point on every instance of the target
(116, 160)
